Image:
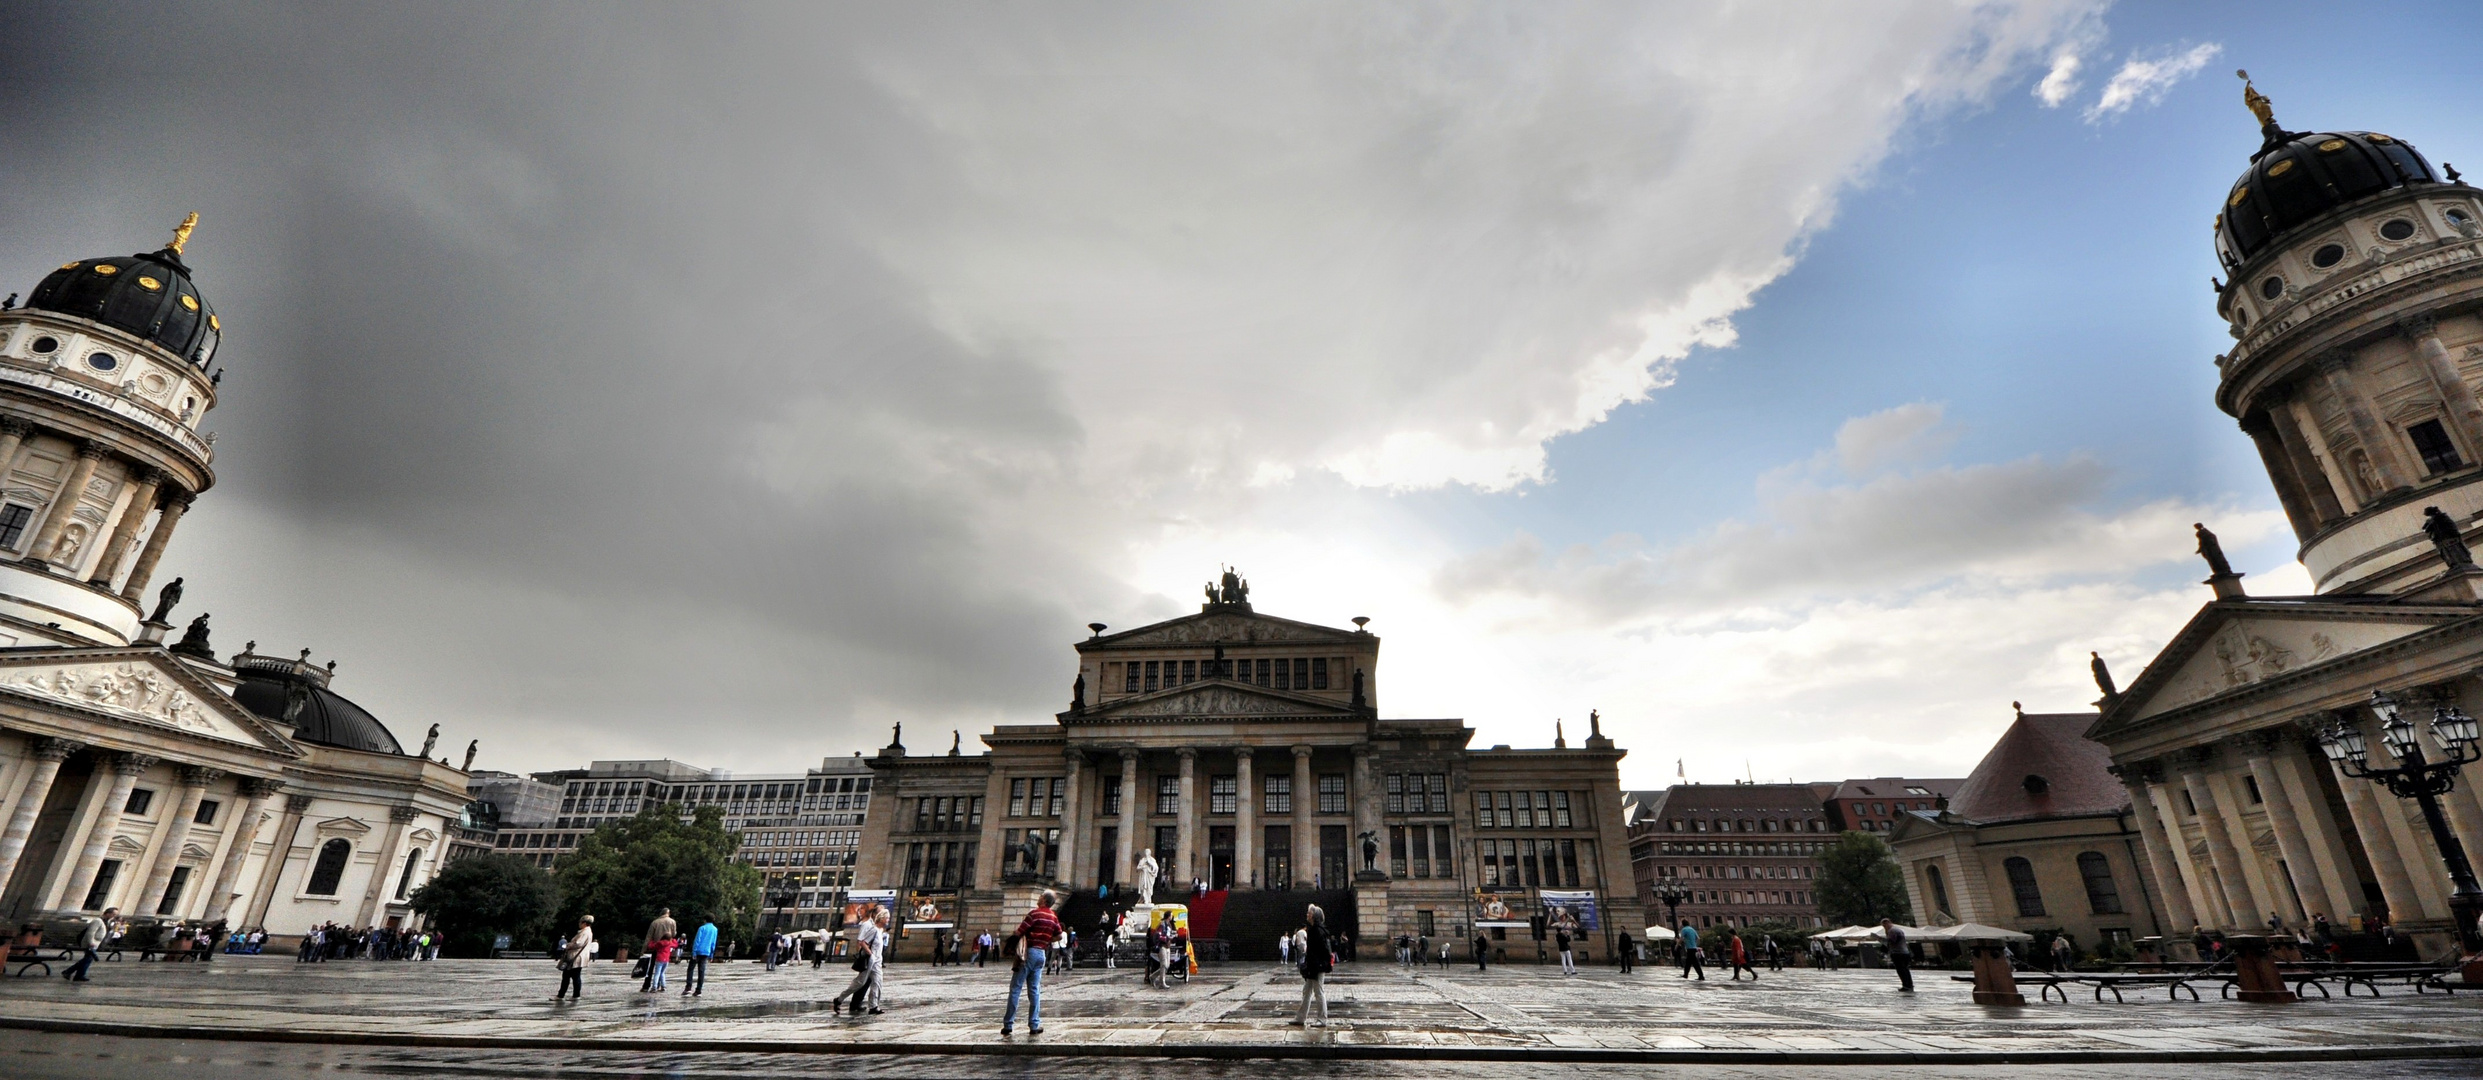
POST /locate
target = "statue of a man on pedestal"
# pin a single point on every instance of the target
(1147, 870)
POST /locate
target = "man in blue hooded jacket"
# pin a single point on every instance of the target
(702, 949)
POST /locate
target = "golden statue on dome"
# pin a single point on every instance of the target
(2257, 102)
(181, 233)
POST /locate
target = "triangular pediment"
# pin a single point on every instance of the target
(126, 846)
(1226, 625)
(343, 826)
(2232, 646)
(142, 685)
(1213, 698)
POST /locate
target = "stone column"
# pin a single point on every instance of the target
(195, 780)
(2266, 893)
(13, 434)
(2376, 440)
(2312, 457)
(2320, 832)
(1072, 816)
(125, 771)
(1188, 818)
(2230, 877)
(2379, 846)
(281, 850)
(2457, 399)
(245, 833)
(1362, 797)
(2413, 839)
(1245, 822)
(2171, 877)
(1125, 848)
(1305, 835)
(2291, 490)
(2206, 904)
(64, 505)
(383, 871)
(175, 505)
(47, 756)
(2258, 750)
(125, 531)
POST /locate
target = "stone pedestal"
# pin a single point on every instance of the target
(1371, 913)
(1994, 983)
(2255, 969)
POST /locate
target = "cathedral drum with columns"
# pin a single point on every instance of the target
(140, 775)
(2356, 303)
(1241, 758)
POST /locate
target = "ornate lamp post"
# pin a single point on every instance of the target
(1671, 894)
(2424, 781)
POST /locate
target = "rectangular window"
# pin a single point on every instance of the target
(1569, 863)
(1168, 794)
(1332, 793)
(1482, 809)
(2250, 784)
(1060, 794)
(1505, 820)
(1129, 680)
(1526, 864)
(13, 521)
(1284, 675)
(1276, 855)
(939, 815)
(1490, 854)
(181, 880)
(1396, 851)
(1189, 671)
(1168, 847)
(922, 815)
(1442, 863)
(1017, 798)
(2432, 442)
(1220, 791)
(1152, 676)
(974, 813)
(1301, 674)
(139, 800)
(1112, 796)
(1560, 809)
(206, 812)
(965, 868)
(1319, 673)
(1525, 812)
(2022, 884)
(1279, 791)
(1264, 674)
(1396, 793)
(913, 864)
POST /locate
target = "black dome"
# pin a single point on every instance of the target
(149, 296)
(2297, 176)
(326, 717)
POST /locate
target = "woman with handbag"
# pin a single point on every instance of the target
(1317, 961)
(573, 956)
(864, 990)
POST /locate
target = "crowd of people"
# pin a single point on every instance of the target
(332, 941)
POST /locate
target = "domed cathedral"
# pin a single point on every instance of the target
(1236, 763)
(2356, 303)
(142, 775)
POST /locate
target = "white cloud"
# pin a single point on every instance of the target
(2145, 79)
(2060, 81)
(1907, 433)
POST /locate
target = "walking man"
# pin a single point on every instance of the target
(661, 930)
(1035, 935)
(90, 942)
(1482, 951)
(702, 949)
(1899, 957)
(1691, 958)
(1315, 965)
(1628, 952)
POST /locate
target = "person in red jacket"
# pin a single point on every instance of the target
(1035, 935)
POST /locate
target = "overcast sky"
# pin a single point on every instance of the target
(1796, 384)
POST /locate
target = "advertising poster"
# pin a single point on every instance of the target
(858, 900)
(1493, 908)
(1579, 905)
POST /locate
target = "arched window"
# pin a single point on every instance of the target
(2022, 882)
(2101, 893)
(406, 880)
(330, 869)
(1939, 888)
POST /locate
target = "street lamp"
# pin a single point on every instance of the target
(1672, 895)
(2424, 781)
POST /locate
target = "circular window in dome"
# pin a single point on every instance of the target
(2328, 255)
(2396, 229)
(2457, 216)
(46, 344)
(102, 361)
(106, 269)
(189, 301)
(2272, 288)
(149, 284)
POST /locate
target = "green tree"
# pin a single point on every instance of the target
(1859, 883)
(629, 871)
(479, 897)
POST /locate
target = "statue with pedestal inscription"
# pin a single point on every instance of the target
(1148, 869)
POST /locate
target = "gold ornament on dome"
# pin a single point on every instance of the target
(189, 301)
(148, 283)
(2256, 102)
(214, 324)
(2379, 138)
(2332, 146)
(2238, 195)
(106, 269)
(181, 233)
(2280, 168)
(71, 265)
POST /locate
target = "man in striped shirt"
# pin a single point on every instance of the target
(1035, 935)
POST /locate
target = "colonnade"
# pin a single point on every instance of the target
(116, 774)
(1082, 817)
(2319, 486)
(152, 491)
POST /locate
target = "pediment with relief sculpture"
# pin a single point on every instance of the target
(135, 684)
(1214, 699)
(1228, 628)
(2231, 646)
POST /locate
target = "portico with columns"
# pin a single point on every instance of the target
(1247, 753)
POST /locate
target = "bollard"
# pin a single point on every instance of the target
(2256, 969)
(1993, 982)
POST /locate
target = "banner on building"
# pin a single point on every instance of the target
(1579, 905)
(1499, 909)
(856, 900)
(927, 909)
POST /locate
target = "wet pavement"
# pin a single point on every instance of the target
(478, 1013)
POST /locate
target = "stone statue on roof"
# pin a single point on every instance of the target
(2103, 675)
(165, 598)
(2212, 551)
(2446, 536)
